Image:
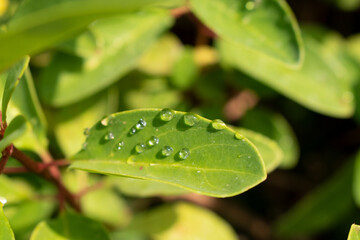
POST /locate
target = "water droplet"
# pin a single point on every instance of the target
(218, 124)
(86, 131)
(191, 119)
(109, 136)
(167, 151)
(141, 124)
(120, 145)
(239, 136)
(107, 121)
(132, 131)
(84, 145)
(167, 114)
(184, 153)
(141, 147)
(153, 141)
(3, 200)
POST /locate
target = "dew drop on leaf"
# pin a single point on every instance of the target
(167, 114)
(141, 124)
(107, 121)
(132, 131)
(86, 131)
(167, 151)
(153, 141)
(141, 147)
(218, 124)
(239, 136)
(120, 145)
(184, 153)
(109, 136)
(191, 119)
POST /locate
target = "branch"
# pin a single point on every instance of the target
(5, 157)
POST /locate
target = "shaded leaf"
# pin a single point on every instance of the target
(315, 212)
(322, 84)
(15, 130)
(70, 78)
(356, 182)
(12, 76)
(6, 232)
(354, 233)
(269, 150)
(276, 128)
(182, 221)
(267, 27)
(55, 21)
(69, 226)
(144, 188)
(204, 159)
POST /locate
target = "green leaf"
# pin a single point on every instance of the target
(144, 188)
(185, 71)
(128, 235)
(356, 182)
(315, 212)
(6, 232)
(182, 221)
(69, 226)
(13, 77)
(322, 84)
(161, 56)
(275, 127)
(346, 5)
(15, 130)
(55, 21)
(269, 150)
(218, 165)
(354, 233)
(267, 27)
(70, 78)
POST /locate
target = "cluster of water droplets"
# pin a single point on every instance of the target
(140, 125)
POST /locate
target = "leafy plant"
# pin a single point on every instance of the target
(140, 119)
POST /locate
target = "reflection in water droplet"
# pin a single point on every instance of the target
(184, 153)
(120, 145)
(107, 121)
(141, 124)
(86, 131)
(239, 136)
(167, 114)
(167, 151)
(3, 200)
(191, 119)
(141, 147)
(153, 141)
(218, 124)
(109, 136)
(132, 131)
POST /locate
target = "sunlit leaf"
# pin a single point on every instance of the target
(6, 232)
(267, 27)
(354, 233)
(15, 130)
(204, 156)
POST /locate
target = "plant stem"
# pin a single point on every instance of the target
(37, 168)
(5, 156)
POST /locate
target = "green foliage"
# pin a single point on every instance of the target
(354, 233)
(187, 146)
(5, 230)
(15, 130)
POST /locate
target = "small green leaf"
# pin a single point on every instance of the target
(15, 130)
(267, 27)
(69, 226)
(354, 233)
(158, 145)
(269, 150)
(323, 83)
(70, 78)
(275, 127)
(182, 221)
(144, 188)
(6, 232)
(13, 77)
(356, 183)
(55, 21)
(315, 212)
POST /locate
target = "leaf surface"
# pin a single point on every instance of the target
(354, 233)
(13, 77)
(15, 130)
(6, 232)
(356, 182)
(217, 164)
(55, 21)
(124, 38)
(267, 27)
(323, 83)
(69, 226)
